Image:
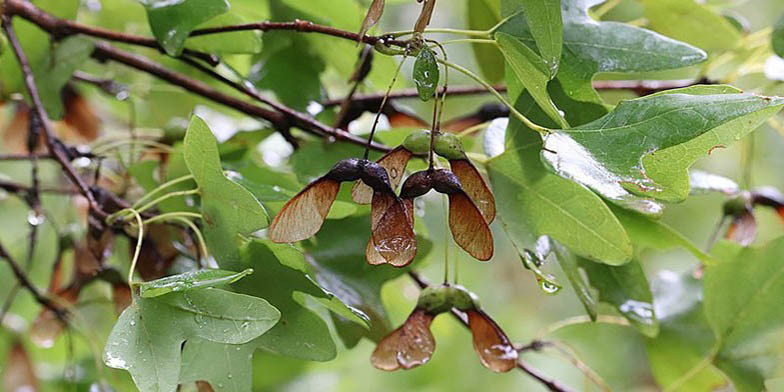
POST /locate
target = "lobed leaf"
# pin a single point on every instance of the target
(190, 280)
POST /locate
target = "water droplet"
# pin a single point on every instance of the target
(276, 188)
(642, 311)
(35, 219)
(229, 376)
(82, 162)
(133, 324)
(200, 320)
(548, 287)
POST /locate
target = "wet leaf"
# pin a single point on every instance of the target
(692, 22)
(544, 20)
(704, 182)
(592, 46)
(147, 338)
(373, 15)
(569, 264)
(469, 228)
(226, 367)
(626, 288)
(490, 342)
(532, 201)
(407, 347)
(303, 215)
(229, 210)
(336, 256)
(191, 280)
(172, 21)
(646, 232)
(426, 73)
(532, 72)
(630, 158)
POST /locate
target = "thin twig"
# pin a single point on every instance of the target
(56, 149)
(22, 278)
(551, 384)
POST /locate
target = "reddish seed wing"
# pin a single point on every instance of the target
(475, 186)
(400, 119)
(407, 347)
(371, 253)
(494, 349)
(469, 228)
(394, 162)
(47, 326)
(460, 124)
(304, 214)
(393, 233)
(19, 374)
(743, 229)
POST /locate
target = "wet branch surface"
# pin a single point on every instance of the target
(23, 280)
(551, 384)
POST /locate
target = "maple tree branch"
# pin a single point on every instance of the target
(551, 384)
(55, 147)
(23, 280)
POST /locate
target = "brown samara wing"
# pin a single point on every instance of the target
(494, 349)
(371, 253)
(19, 373)
(475, 186)
(393, 234)
(399, 117)
(469, 228)
(394, 162)
(407, 347)
(303, 215)
(743, 229)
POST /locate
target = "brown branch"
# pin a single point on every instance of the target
(60, 28)
(24, 157)
(301, 26)
(11, 187)
(23, 280)
(283, 117)
(551, 384)
(56, 148)
(108, 86)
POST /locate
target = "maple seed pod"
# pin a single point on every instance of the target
(743, 227)
(469, 228)
(492, 345)
(394, 164)
(407, 347)
(435, 299)
(418, 142)
(462, 299)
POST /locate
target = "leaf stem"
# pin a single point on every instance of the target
(530, 124)
(197, 232)
(470, 33)
(166, 197)
(161, 187)
(137, 251)
(469, 41)
(383, 103)
(173, 215)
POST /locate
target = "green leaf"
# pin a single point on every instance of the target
(744, 318)
(243, 42)
(626, 288)
(691, 22)
(229, 210)
(482, 15)
(300, 333)
(190, 280)
(544, 20)
(426, 73)
(777, 37)
(338, 258)
(147, 338)
(172, 21)
(652, 233)
(532, 73)
(568, 263)
(591, 46)
(642, 150)
(531, 200)
(56, 70)
(227, 367)
(678, 354)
